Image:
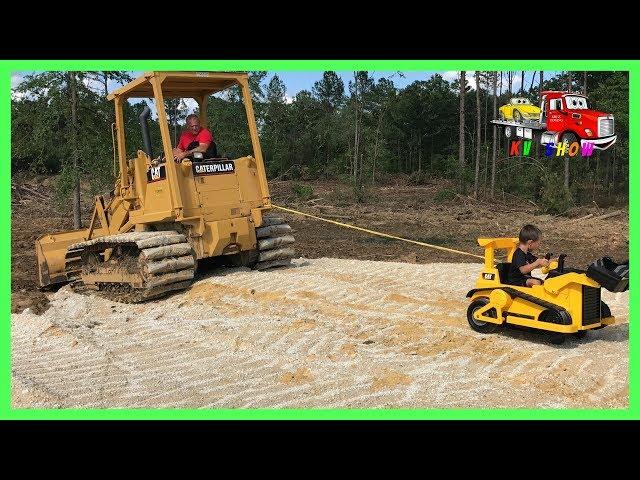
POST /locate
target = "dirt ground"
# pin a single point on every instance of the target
(338, 330)
(400, 209)
(411, 212)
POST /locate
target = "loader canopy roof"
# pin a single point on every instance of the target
(179, 84)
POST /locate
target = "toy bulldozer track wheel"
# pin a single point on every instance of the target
(553, 316)
(477, 325)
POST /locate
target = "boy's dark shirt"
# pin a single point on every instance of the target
(520, 259)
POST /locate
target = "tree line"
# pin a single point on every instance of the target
(361, 132)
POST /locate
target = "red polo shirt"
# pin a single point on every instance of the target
(203, 136)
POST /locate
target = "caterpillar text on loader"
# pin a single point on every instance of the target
(568, 302)
(165, 216)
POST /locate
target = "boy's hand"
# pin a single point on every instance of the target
(542, 262)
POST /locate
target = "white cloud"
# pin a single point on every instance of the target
(92, 84)
(516, 79)
(17, 95)
(471, 79)
(16, 78)
(454, 75)
(288, 99)
(191, 104)
(450, 75)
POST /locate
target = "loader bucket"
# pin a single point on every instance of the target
(51, 251)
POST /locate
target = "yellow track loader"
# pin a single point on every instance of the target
(164, 216)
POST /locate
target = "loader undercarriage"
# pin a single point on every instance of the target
(274, 244)
(133, 267)
(139, 266)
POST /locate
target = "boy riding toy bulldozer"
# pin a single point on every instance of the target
(567, 301)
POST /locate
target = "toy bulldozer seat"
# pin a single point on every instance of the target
(503, 271)
(492, 244)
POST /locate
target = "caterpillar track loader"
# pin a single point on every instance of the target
(165, 216)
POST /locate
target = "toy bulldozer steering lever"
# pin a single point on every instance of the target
(559, 265)
(561, 262)
(551, 265)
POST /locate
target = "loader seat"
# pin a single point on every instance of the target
(210, 153)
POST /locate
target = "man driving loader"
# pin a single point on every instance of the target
(195, 139)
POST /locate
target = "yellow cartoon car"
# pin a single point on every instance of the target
(519, 109)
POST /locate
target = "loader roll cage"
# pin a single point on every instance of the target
(198, 86)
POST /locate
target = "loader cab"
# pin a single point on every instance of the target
(210, 154)
(194, 125)
(177, 195)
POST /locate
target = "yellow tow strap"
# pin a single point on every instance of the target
(379, 234)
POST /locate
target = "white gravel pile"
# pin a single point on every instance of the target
(325, 333)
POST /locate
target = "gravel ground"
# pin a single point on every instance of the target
(326, 333)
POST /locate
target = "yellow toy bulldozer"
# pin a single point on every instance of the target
(568, 301)
(164, 216)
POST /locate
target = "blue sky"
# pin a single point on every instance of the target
(296, 81)
(304, 80)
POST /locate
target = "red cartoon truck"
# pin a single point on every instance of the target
(564, 117)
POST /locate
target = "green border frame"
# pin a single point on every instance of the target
(9, 66)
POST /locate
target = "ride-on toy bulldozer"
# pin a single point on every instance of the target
(164, 216)
(568, 301)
